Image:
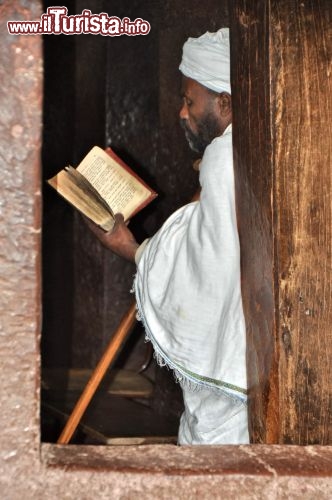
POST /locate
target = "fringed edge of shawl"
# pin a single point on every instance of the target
(181, 376)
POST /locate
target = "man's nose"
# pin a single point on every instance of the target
(184, 112)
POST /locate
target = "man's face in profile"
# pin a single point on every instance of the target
(199, 114)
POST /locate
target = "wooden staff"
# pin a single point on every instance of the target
(112, 349)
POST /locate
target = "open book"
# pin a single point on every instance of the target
(101, 186)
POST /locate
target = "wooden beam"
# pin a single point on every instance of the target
(281, 66)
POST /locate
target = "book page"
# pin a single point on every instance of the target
(83, 200)
(121, 190)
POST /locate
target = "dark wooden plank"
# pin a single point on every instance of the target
(281, 66)
(109, 417)
(301, 33)
(254, 178)
(117, 382)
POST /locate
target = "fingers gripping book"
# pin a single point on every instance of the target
(101, 186)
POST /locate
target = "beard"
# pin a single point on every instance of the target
(207, 129)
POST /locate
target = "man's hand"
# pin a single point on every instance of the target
(120, 240)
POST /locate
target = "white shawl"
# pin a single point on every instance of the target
(188, 283)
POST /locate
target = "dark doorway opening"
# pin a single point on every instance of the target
(122, 92)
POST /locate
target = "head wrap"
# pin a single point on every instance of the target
(207, 60)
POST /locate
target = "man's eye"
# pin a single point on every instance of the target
(188, 102)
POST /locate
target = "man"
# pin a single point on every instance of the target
(187, 284)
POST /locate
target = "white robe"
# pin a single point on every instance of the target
(188, 289)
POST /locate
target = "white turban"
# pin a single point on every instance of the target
(207, 60)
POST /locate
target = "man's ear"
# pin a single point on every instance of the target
(225, 104)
